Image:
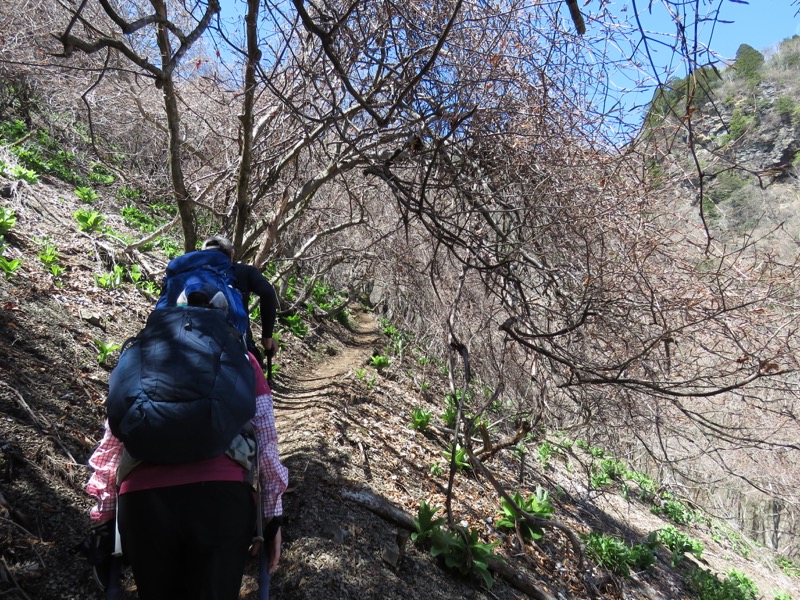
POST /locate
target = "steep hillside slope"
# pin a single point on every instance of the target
(344, 428)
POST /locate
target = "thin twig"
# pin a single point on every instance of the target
(13, 579)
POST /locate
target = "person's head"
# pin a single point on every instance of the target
(218, 242)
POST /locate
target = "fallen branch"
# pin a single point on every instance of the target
(489, 450)
(535, 521)
(40, 423)
(383, 508)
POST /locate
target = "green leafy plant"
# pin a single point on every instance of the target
(708, 586)
(101, 174)
(425, 523)
(290, 292)
(436, 469)
(13, 130)
(296, 325)
(9, 266)
(8, 219)
(617, 556)
(463, 551)
(459, 549)
(599, 479)
(537, 505)
(722, 532)
(50, 257)
(56, 271)
(647, 487)
(149, 288)
(86, 194)
(614, 468)
(675, 510)
(777, 595)
(255, 314)
(451, 402)
(607, 471)
(104, 350)
(459, 458)
(420, 419)
(48, 254)
(169, 246)
(326, 299)
(380, 362)
(371, 382)
(565, 444)
(520, 450)
(42, 154)
(135, 274)
(128, 193)
(544, 452)
(110, 280)
(450, 415)
(596, 452)
(26, 175)
(677, 543)
(400, 340)
(89, 220)
(788, 566)
(136, 218)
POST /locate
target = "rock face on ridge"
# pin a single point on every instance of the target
(746, 140)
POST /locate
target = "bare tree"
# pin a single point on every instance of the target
(159, 60)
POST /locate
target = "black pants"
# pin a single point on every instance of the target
(188, 542)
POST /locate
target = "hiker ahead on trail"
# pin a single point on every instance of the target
(249, 280)
(190, 436)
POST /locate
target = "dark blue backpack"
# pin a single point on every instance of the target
(183, 388)
(200, 270)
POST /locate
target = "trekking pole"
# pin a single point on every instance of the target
(114, 589)
(269, 370)
(263, 573)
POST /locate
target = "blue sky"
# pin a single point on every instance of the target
(761, 24)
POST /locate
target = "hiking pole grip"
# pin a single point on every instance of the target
(269, 369)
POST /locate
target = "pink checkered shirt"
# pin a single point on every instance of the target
(274, 477)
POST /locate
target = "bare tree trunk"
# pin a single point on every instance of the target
(185, 206)
(246, 157)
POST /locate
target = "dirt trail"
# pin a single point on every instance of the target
(304, 402)
(340, 432)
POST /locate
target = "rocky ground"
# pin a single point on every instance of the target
(344, 429)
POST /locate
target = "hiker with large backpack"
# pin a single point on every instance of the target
(249, 280)
(190, 431)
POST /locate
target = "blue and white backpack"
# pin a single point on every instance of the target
(184, 387)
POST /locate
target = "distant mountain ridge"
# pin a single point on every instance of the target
(741, 127)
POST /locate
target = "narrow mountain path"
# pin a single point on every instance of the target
(308, 396)
(301, 401)
(340, 432)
